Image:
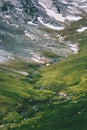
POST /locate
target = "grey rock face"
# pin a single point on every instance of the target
(23, 24)
(32, 9)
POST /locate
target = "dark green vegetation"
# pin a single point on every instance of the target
(53, 97)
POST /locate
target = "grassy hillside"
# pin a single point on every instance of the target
(53, 97)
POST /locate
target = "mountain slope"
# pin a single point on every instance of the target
(28, 26)
(43, 71)
(51, 98)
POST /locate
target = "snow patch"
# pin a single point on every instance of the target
(18, 9)
(53, 14)
(59, 17)
(74, 48)
(82, 29)
(31, 23)
(4, 56)
(7, 16)
(73, 18)
(38, 60)
(50, 25)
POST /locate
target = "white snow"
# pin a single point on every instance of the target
(58, 16)
(50, 25)
(73, 18)
(4, 56)
(7, 16)
(37, 60)
(74, 48)
(2, 59)
(82, 29)
(45, 35)
(53, 14)
(47, 64)
(31, 23)
(18, 9)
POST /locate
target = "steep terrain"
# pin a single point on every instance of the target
(27, 26)
(43, 69)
